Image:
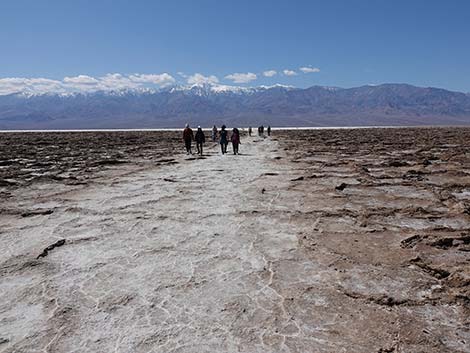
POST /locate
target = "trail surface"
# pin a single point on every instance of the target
(199, 256)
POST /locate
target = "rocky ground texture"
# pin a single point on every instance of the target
(350, 240)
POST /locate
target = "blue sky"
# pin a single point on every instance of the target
(352, 43)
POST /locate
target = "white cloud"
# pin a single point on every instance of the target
(45, 85)
(161, 80)
(82, 80)
(289, 72)
(309, 69)
(116, 81)
(269, 73)
(81, 83)
(242, 77)
(84, 83)
(11, 85)
(201, 79)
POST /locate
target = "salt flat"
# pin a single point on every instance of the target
(261, 252)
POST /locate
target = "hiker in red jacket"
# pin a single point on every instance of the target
(188, 138)
(235, 140)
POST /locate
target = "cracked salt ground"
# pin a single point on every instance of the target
(194, 257)
(150, 265)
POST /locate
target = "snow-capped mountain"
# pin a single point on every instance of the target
(206, 90)
(208, 104)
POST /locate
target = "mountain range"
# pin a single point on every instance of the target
(209, 104)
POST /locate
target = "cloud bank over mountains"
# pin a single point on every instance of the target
(84, 83)
(119, 82)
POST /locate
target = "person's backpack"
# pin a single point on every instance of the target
(223, 135)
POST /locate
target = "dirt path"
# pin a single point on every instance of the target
(201, 256)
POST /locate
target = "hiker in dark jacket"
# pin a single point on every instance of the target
(269, 130)
(223, 139)
(249, 131)
(235, 140)
(188, 137)
(200, 140)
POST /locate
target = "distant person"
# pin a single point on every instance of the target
(269, 130)
(214, 133)
(223, 139)
(235, 138)
(188, 138)
(262, 130)
(200, 140)
(259, 130)
(249, 131)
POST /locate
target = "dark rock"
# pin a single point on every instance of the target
(298, 179)
(110, 162)
(426, 162)
(386, 350)
(5, 163)
(414, 175)
(411, 242)
(438, 273)
(37, 213)
(45, 252)
(397, 164)
(4, 182)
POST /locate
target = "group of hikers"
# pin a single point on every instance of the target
(260, 130)
(222, 136)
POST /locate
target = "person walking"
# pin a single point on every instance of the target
(269, 130)
(214, 133)
(235, 138)
(200, 140)
(223, 139)
(249, 131)
(188, 138)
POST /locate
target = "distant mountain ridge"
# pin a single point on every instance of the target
(208, 104)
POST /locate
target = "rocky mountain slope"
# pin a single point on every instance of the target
(387, 104)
